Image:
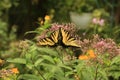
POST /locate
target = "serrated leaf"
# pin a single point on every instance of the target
(65, 67)
(38, 62)
(61, 77)
(17, 60)
(29, 77)
(48, 51)
(33, 48)
(28, 56)
(48, 75)
(48, 58)
(102, 73)
(80, 66)
(116, 60)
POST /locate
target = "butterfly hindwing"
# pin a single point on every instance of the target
(67, 40)
(50, 41)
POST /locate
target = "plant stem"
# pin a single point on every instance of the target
(95, 29)
(96, 71)
(40, 73)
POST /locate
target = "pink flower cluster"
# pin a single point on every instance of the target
(55, 27)
(107, 46)
(98, 21)
(68, 27)
(101, 46)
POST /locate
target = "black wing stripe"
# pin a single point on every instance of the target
(50, 41)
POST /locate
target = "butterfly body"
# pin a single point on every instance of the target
(60, 37)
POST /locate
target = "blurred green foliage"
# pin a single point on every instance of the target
(5, 36)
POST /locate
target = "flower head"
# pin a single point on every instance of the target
(100, 43)
(83, 57)
(15, 70)
(24, 44)
(103, 46)
(98, 21)
(55, 27)
(47, 17)
(95, 20)
(68, 27)
(101, 22)
(8, 72)
(90, 55)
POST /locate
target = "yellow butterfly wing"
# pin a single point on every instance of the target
(50, 41)
(68, 40)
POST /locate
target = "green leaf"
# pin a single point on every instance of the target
(31, 32)
(114, 71)
(65, 67)
(115, 74)
(116, 60)
(49, 75)
(28, 56)
(32, 48)
(38, 62)
(29, 77)
(17, 60)
(84, 71)
(80, 66)
(59, 77)
(30, 65)
(102, 73)
(48, 58)
(48, 51)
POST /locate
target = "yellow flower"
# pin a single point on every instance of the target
(15, 70)
(47, 17)
(83, 57)
(90, 55)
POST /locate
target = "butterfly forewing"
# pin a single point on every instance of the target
(54, 36)
(50, 41)
(67, 39)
